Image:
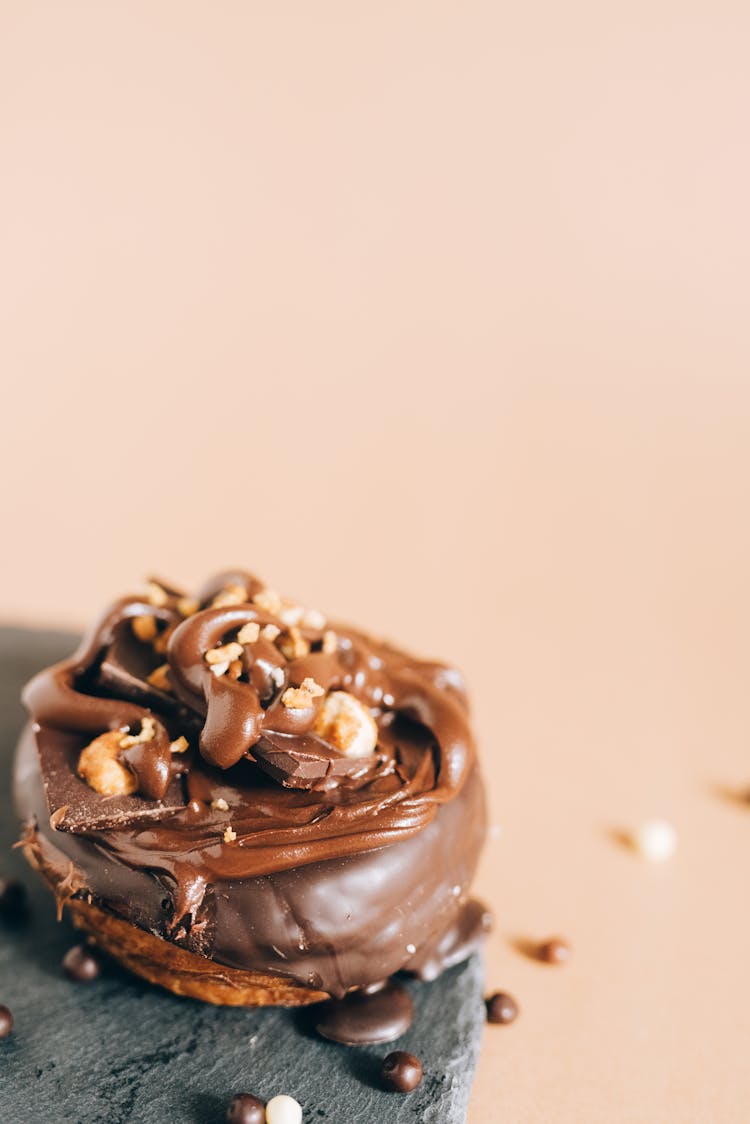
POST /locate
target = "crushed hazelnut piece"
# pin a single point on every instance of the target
(229, 835)
(179, 745)
(232, 595)
(100, 767)
(58, 816)
(219, 669)
(234, 671)
(188, 606)
(147, 733)
(162, 640)
(267, 600)
(330, 642)
(227, 652)
(290, 613)
(156, 594)
(249, 633)
(277, 677)
(159, 678)
(312, 618)
(294, 646)
(144, 628)
(220, 804)
(270, 632)
(346, 724)
(299, 698)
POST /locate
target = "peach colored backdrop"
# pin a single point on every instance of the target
(436, 316)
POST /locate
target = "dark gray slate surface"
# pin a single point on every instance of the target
(120, 1050)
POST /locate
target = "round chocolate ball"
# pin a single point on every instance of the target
(244, 1108)
(6, 1022)
(12, 898)
(501, 1008)
(402, 1072)
(554, 951)
(81, 964)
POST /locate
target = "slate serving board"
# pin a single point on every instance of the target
(120, 1050)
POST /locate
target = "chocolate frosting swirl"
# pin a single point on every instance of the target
(254, 763)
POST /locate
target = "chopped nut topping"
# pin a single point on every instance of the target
(249, 633)
(346, 724)
(219, 669)
(100, 767)
(232, 595)
(229, 835)
(234, 671)
(290, 613)
(179, 745)
(188, 606)
(162, 640)
(159, 678)
(58, 816)
(330, 642)
(156, 594)
(270, 632)
(267, 600)
(220, 804)
(299, 698)
(277, 676)
(147, 733)
(144, 628)
(311, 618)
(294, 645)
(231, 651)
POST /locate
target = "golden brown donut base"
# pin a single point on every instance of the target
(163, 963)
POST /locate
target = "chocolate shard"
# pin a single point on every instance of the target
(75, 807)
(305, 761)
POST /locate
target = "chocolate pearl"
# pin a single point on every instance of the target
(402, 1072)
(6, 1022)
(80, 964)
(12, 898)
(501, 1008)
(554, 951)
(244, 1108)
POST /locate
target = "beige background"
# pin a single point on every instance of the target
(436, 316)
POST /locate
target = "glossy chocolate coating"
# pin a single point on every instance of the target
(341, 871)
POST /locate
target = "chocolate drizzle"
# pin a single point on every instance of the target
(227, 847)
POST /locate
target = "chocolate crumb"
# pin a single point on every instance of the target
(401, 1072)
(501, 1008)
(6, 1022)
(81, 964)
(554, 951)
(244, 1108)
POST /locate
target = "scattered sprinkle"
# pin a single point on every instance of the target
(554, 951)
(655, 840)
(401, 1072)
(283, 1110)
(501, 1008)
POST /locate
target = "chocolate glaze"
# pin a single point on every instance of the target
(363, 1018)
(342, 871)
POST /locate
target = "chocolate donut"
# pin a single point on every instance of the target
(250, 805)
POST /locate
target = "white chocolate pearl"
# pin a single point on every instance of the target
(655, 840)
(283, 1110)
